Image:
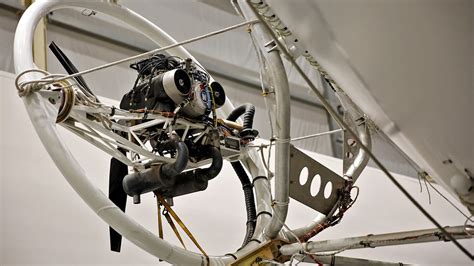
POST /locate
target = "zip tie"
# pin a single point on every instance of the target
(108, 207)
(280, 203)
(259, 178)
(279, 140)
(266, 93)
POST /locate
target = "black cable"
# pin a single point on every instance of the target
(249, 201)
(249, 111)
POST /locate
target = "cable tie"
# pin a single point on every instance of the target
(231, 255)
(264, 212)
(280, 203)
(258, 178)
(279, 140)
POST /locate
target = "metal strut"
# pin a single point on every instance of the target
(372, 241)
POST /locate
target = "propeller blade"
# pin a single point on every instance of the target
(68, 65)
(117, 195)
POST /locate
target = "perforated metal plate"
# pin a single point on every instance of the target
(317, 187)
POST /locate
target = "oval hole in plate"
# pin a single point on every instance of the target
(304, 176)
(315, 185)
(328, 190)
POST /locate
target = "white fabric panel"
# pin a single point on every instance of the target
(407, 64)
(417, 60)
(44, 222)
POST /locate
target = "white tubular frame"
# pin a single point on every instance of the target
(95, 133)
(277, 74)
(43, 118)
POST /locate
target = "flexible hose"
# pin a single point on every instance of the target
(249, 200)
(248, 110)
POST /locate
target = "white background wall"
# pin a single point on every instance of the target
(42, 220)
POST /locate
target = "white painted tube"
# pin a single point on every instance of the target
(43, 117)
(279, 79)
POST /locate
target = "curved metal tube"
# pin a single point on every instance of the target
(197, 180)
(156, 177)
(352, 172)
(43, 118)
(170, 170)
(362, 158)
(282, 96)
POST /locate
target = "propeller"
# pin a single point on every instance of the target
(117, 195)
(68, 65)
(118, 170)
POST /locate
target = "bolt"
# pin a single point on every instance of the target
(448, 161)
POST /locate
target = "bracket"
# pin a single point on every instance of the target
(312, 184)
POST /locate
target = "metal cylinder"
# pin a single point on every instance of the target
(157, 176)
(176, 84)
(218, 93)
(145, 181)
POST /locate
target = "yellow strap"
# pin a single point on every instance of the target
(170, 221)
(160, 221)
(214, 115)
(181, 224)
